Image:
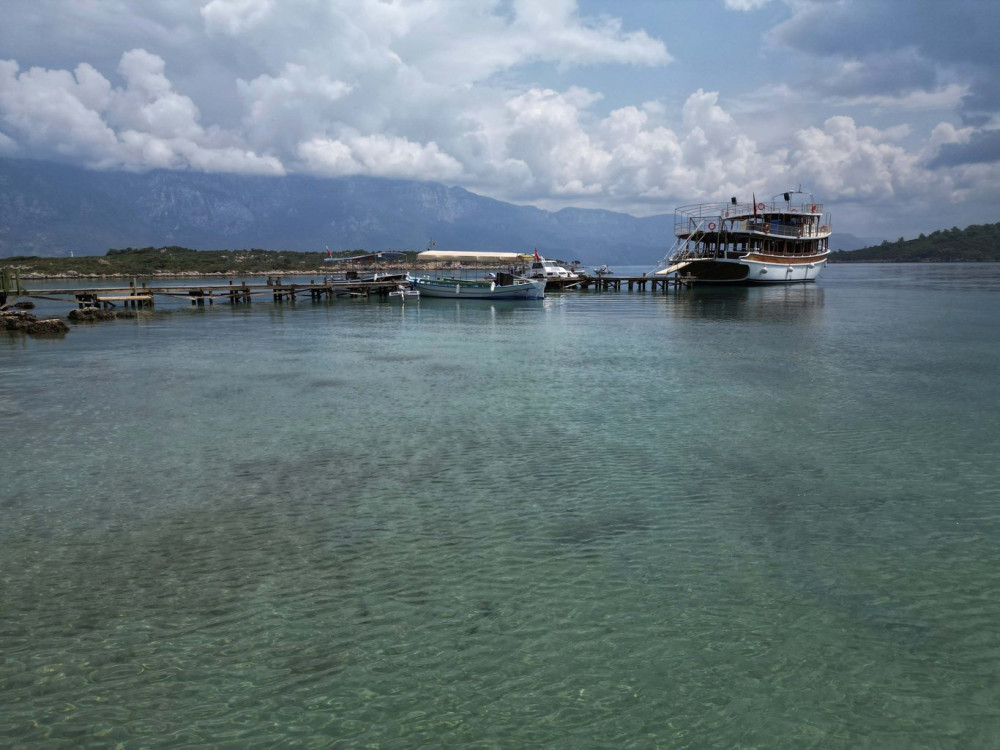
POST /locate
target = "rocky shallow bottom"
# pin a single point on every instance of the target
(22, 321)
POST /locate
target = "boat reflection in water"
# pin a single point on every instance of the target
(771, 304)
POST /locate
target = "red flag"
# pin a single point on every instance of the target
(328, 253)
(536, 254)
(754, 205)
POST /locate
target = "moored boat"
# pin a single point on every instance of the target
(502, 286)
(555, 276)
(781, 241)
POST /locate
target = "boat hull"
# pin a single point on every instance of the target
(524, 289)
(753, 270)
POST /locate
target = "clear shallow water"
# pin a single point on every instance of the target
(728, 518)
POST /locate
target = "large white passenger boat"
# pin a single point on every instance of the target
(781, 241)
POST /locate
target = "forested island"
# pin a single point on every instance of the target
(976, 243)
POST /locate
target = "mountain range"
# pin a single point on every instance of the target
(49, 209)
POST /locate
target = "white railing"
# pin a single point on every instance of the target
(718, 211)
(715, 223)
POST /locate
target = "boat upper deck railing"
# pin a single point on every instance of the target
(760, 225)
(718, 211)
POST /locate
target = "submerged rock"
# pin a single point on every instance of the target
(90, 315)
(16, 320)
(47, 327)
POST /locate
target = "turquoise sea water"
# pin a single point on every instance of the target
(708, 518)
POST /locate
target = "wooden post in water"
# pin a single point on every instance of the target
(10, 284)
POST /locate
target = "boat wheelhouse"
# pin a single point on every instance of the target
(556, 277)
(781, 241)
(548, 270)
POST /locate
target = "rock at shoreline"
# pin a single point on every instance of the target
(18, 320)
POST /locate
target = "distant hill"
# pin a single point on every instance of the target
(840, 241)
(55, 210)
(978, 242)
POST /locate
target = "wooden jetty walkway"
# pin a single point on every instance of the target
(139, 295)
(143, 295)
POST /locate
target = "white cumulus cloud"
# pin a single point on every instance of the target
(141, 125)
(378, 155)
(235, 16)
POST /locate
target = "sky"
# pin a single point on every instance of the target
(885, 111)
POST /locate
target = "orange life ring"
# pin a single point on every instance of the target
(711, 226)
(767, 229)
(760, 206)
(814, 208)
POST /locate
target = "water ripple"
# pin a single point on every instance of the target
(757, 518)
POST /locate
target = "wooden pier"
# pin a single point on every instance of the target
(143, 295)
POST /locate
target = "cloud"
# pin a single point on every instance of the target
(980, 147)
(380, 156)
(554, 31)
(746, 5)
(144, 124)
(843, 159)
(545, 133)
(294, 105)
(235, 16)
(55, 111)
(896, 47)
(948, 98)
